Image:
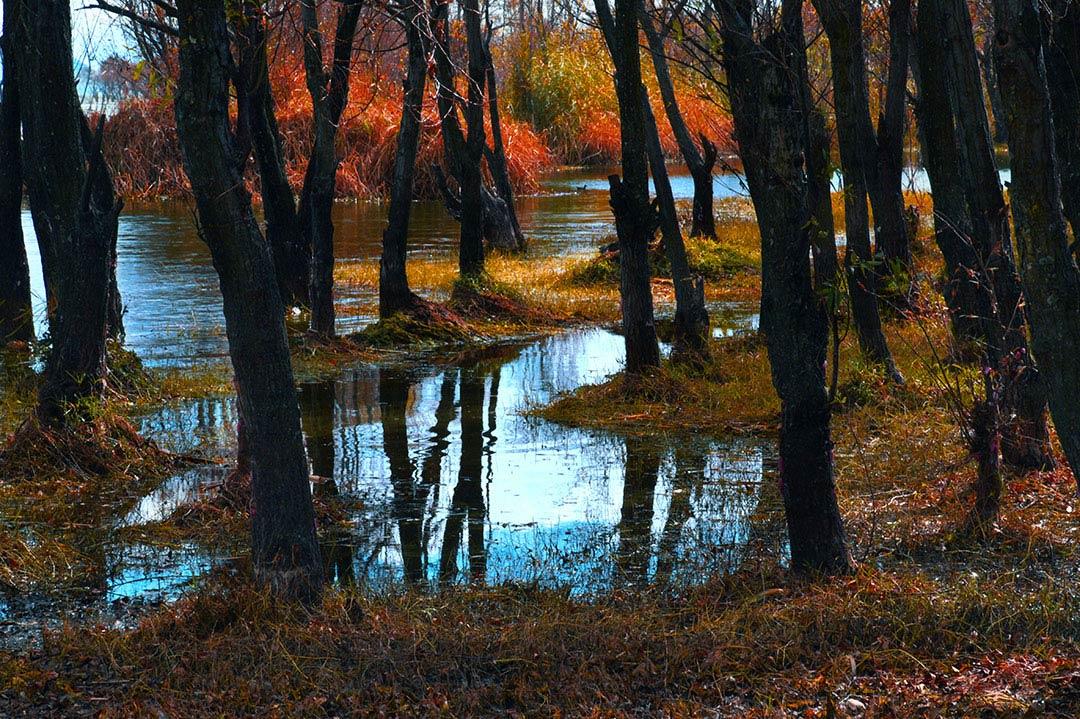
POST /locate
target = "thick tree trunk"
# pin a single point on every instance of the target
(1050, 275)
(772, 128)
(842, 22)
(700, 163)
(16, 310)
(105, 196)
(256, 101)
(635, 220)
(329, 92)
(968, 293)
(1062, 56)
(284, 547)
(74, 220)
(394, 292)
(1025, 437)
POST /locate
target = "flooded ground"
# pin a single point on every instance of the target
(454, 481)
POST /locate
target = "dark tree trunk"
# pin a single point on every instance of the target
(819, 171)
(329, 95)
(393, 401)
(464, 149)
(891, 226)
(394, 292)
(256, 110)
(1062, 56)
(496, 154)
(1025, 437)
(842, 20)
(700, 163)
(1050, 275)
(467, 506)
(284, 547)
(105, 196)
(691, 340)
(635, 219)
(16, 310)
(74, 220)
(993, 92)
(967, 292)
(772, 128)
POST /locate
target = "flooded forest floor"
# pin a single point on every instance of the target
(935, 622)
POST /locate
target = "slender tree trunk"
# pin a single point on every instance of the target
(819, 171)
(256, 107)
(993, 92)
(1050, 275)
(1025, 440)
(394, 292)
(842, 20)
(772, 128)
(284, 547)
(393, 401)
(329, 95)
(74, 221)
(642, 469)
(496, 155)
(700, 163)
(16, 310)
(635, 221)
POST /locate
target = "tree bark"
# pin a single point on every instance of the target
(1025, 438)
(74, 220)
(284, 547)
(329, 92)
(635, 219)
(700, 163)
(496, 154)
(1062, 57)
(772, 128)
(16, 310)
(255, 102)
(967, 295)
(394, 292)
(842, 20)
(1049, 273)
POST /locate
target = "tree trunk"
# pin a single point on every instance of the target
(635, 220)
(329, 95)
(842, 20)
(772, 128)
(105, 196)
(1025, 442)
(393, 401)
(1062, 56)
(284, 547)
(256, 107)
(394, 292)
(1050, 275)
(641, 471)
(74, 221)
(968, 294)
(993, 92)
(700, 163)
(16, 310)
(891, 227)
(819, 171)
(496, 155)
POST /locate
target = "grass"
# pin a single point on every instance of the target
(934, 623)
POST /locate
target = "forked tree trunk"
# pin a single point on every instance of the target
(1050, 275)
(635, 220)
(292, 264)
(969, 294)
(842, 22)
(329, 90)
(700, 163)
(771, 127)
(284, 547)
(16, 311)
(691, 341)
(74, 220)
(1025, 438)
(394, 292)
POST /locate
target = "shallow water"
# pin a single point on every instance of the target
(457, 484)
